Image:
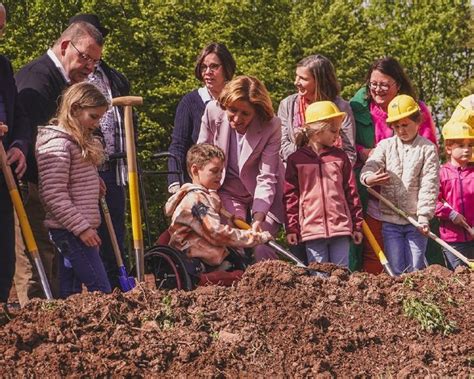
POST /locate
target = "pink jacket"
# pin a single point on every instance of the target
(457, 189)
(68, 185)
(260, 165)
(321, 195)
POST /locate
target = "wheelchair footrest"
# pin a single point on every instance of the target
(222, 278)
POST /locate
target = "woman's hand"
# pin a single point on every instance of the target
(378, 178)
(357, 237)
(90, 238)
(292, 238)
(258, 219)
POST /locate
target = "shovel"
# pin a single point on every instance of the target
(376, 247)
(126, 282)
(24, 223)
(127, 102)
(416, 224)
(241, 224)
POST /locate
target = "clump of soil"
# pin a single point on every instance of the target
(277, 321)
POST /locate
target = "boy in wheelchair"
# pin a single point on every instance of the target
(196, 228)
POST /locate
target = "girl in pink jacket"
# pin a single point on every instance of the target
(68, 154)
(322, 205)
(455, 205)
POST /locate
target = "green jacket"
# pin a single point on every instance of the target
(365, 132)
(365, 135)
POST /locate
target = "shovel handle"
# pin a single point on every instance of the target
(111, 230)
(416, 224)
(24, 223)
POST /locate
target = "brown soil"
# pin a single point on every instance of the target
(277, 321)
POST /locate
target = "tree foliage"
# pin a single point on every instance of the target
(155, 43)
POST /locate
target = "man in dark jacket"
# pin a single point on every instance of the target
(15, 141)
(40, 83)
(112, 84)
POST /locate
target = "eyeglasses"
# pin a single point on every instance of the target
(212, 67)
(85, 57)
(382, 86)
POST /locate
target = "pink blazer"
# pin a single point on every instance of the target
(261, 169)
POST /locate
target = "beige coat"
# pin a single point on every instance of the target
(414, 177)
(196, 226)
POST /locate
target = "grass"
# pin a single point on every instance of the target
(429, 315)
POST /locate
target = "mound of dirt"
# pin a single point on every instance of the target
(277, 321)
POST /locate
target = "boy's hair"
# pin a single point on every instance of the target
(201, 154)
(81, 96)
(304, 134)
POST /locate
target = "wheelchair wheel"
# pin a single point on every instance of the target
(238, 261)
(168, 267)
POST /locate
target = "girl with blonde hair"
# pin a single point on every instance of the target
(68, 152)
(322, 205)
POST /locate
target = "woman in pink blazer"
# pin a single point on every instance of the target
(242, 123)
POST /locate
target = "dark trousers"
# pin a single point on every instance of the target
(7, 242)
(115, 198)
(78, 264)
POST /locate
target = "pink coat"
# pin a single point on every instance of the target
(321, 195)
(457, 189)
(260, 165)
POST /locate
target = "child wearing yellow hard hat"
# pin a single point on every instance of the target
(322, 204)
(406, 167)
(455, 205)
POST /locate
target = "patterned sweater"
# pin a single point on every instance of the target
(196, 226)
(414, 177)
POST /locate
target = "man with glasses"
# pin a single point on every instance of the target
(40, 83)
(113, 172)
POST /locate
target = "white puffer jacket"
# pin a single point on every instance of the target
(414, 177)
(68, 185)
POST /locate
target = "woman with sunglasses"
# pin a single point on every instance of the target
(385, 80)
(214, 67)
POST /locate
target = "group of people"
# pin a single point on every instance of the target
(308, 166)
(65, 142)
(305, 167)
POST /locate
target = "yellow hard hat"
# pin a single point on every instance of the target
(463, 115)
(322, 110)
(457, 130)
(400, 107)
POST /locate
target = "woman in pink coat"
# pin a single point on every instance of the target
(242, 123)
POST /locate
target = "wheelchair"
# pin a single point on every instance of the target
(171, 268)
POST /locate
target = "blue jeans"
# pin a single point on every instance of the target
(465, 248)
(334, 250)
(78, 264)
(404, 247)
